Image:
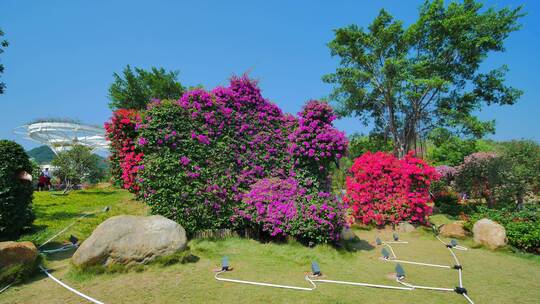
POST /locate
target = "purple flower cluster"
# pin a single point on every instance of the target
(315, 140)
(282, 207)
(446, 172)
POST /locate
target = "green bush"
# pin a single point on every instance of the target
(15, 193)
(522, 227)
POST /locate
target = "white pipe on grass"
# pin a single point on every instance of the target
(362, 284)
(264, 284)
(425, 287)
(70, 288)
(6, 287)
(66, 228)
(417, 263)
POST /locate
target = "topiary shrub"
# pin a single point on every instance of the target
(15, 193)
(383, 189)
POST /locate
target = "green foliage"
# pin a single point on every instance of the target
(3, 44)
(408, 80)
(522, 227)
(523, 175)
(15, 193)
(360, 144)
(78, 165)
(42, 154)
(136, 88)
(449, 149)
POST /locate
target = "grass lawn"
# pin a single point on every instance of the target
(490, 277)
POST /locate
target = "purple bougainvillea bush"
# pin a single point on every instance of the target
(206, 151)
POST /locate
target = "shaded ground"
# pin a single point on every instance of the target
(490, 277)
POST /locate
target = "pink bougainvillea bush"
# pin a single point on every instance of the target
(203, 153)
(121, 130)
(383, 189)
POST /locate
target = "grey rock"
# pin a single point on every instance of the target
(128, 239)
(405, 227)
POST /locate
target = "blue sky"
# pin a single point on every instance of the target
(62, 54)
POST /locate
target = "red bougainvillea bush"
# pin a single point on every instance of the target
(121, 131)
(383, 189)
(204, 152)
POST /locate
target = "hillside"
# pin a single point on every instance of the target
(42, 154)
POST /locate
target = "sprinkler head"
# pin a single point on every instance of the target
(106, 209)
(378, 241)
(453, 243)
(400, 272)
(73, 239)
(225, 264)
(396, 237)
(315, 269)
(385, 254)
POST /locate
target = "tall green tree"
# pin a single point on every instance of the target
(409, 80)
(3, 44)
(77, 165)
(135, 88)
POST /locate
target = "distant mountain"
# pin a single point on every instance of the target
(42, 154)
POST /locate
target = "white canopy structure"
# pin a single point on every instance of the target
(61, 135)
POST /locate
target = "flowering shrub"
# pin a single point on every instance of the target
(384, 189)
(315, 143)
(203, 152)
(283, 207)
(482, 176)
(121, 131)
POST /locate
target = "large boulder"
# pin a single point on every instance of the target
(453, 230)
(128, 240)
(405, 227)
(17, 253)
(489, 233)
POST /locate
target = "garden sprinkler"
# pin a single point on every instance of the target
(315, 269)
(378, 241)
(400, 272)
(396, 237)
(385, 254)
(225, 264)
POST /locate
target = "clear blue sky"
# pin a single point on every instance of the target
(62, 53)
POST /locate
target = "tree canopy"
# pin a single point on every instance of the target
(135, 88)
(3, 44)
(409, 80)
(78, 165)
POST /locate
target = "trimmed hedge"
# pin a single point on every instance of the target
(15, 194)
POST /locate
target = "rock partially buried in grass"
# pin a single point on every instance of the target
(489, 233)
(405, 227)
(453, 230)
(14, 253)
(130, 240)
(347, 234)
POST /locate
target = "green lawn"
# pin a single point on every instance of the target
(490, 277)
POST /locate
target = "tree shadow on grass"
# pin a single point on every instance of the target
(98, 192)
(357, 244)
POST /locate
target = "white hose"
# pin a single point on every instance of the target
(468, 299)
(392, 250)
(395, 242)
(69, 288)
(265, 284)
(363, 284)
(66, 228)
(425, 287)
(417, 263)
(64, 248)
(6, 287)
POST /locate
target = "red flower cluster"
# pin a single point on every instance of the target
(384, 189)
(121, 130)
